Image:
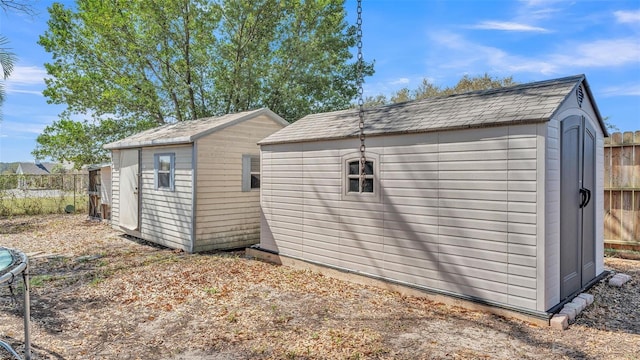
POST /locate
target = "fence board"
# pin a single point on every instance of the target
(622, 189)
(608, 234)
(636, 165)
(636, 225)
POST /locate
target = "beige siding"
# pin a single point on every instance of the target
(227, 217)
(166, 215)
(115, 189)
(456, 210)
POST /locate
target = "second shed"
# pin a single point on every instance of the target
(192, 185)
(492, 196)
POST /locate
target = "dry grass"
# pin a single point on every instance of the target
(97, 295)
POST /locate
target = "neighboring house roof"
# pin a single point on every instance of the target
(532, 102)
(188, 131)
(27, 168)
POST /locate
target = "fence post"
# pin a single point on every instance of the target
(74, 193)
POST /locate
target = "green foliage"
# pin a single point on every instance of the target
(8, 168)
(427, 89)
(127, 66)
(7, 59)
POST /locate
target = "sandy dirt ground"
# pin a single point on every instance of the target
(98, 295)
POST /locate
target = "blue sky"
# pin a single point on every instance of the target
(410, 40)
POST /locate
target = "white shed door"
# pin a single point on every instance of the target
(129, 194)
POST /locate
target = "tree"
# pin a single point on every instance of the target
(148, 63)
(17, 6)
(7, 59)
(427, 89)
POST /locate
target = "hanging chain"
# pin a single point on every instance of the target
(360, 66)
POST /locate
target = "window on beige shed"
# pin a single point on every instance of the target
(250, 172)
(164, 166)
(353, 177)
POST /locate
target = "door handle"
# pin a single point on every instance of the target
(585, 197)
(588, 197)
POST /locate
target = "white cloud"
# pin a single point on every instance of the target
(28, 92)
(22, 127)
(471, 57)
(26, 80)
(27, 75)
(627, 16)
(534, 3)
(468, 56)
(400, 81)
(631, 89)
(601, 53)
(508, 26)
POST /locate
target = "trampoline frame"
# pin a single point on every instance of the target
(19, 266)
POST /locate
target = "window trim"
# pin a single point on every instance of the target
(247, 173)
(358, 196)
(172, 171)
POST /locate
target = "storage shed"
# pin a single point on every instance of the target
(491, 196)
(99, 191)
(192, 185)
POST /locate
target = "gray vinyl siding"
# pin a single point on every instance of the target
(552, 201)
(552, 215)
(166, 215)
(227, 217)
(456, 210)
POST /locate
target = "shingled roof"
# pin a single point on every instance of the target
(526, 103)
(188, 131)
(29, 168)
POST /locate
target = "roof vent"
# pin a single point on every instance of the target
(579, 95)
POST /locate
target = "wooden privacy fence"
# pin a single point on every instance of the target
(622, 189)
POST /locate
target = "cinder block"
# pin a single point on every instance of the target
(619, 279)
(560, 321)
(570, 312)
(577, 307)
(580, 302)
(587, 297)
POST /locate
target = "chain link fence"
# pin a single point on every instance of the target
(43, 194)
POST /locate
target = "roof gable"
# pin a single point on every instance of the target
(533, 102)
(185, 132)
(28, 168)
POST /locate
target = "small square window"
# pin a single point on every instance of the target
(164, 171)
(354, 177)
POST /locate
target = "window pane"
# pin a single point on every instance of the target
(354, 168)
(368, 167)
(367, 186)
(354, 185)
(255, 164)
(164, 180)
(255, 181)
(164, 162)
